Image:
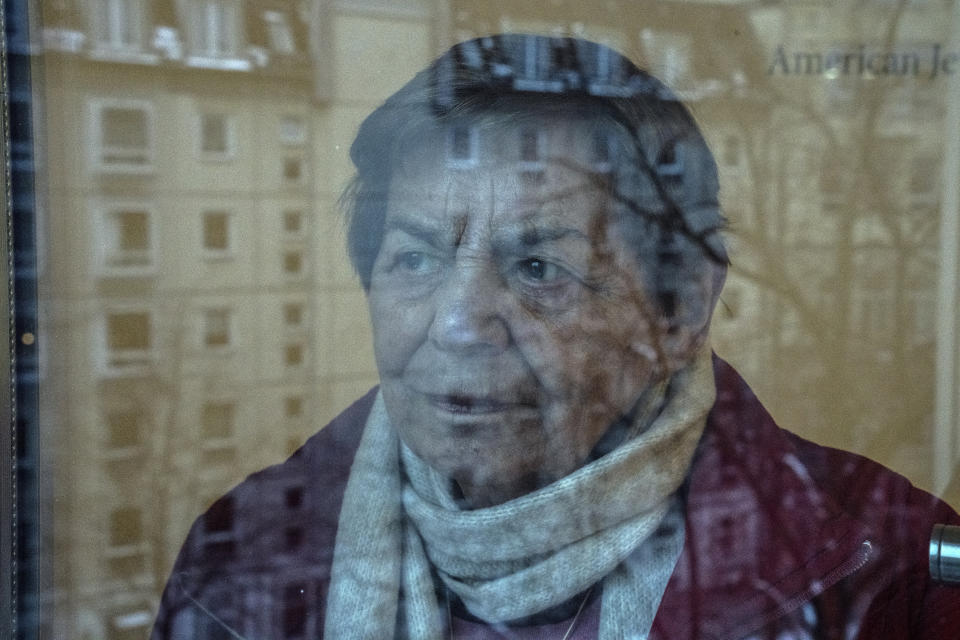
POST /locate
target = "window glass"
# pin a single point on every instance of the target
(214, 134)
(124, 140)
(127, 239)
(118, 24)
(216, 330)
(215, 28)
(124, 428)
(217, 420)
(245, 246)
(216, 232)
(129, 331)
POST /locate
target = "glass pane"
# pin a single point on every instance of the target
(512, 258)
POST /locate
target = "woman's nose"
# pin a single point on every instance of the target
(469, 305)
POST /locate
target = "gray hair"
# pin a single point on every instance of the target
(678, 239)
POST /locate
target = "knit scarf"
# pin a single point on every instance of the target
(399, 524)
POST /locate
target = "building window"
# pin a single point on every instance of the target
(216, 29)
(123, 136)
(293, 221)
(218, 529)
(216, 420)
(293, 497)
(293, 314)
(292, 170)
(293, 131)
(293, 263)
(124, 429)
(293, 355)
(125, 557)
(292, 538)
(529, 145)
(129, 339)
(215, 135)
(293, 406)
(217, 430)
(602, 151)
(293, 622)
(462, 146)
(118, 25)
(216, 328)
(670, 162)
(126, 528)
(127, 241)
(216, 233)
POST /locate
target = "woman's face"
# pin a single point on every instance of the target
(511, 326)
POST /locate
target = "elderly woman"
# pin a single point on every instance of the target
(552, 451)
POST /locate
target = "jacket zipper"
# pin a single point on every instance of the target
(849, 566)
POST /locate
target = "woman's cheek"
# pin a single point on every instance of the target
(399, 329)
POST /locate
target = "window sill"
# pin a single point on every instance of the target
(105, 53)
(222, 64)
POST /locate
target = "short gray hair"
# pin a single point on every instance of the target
(679, 241)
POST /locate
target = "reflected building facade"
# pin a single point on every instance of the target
(195, 152)
(204, 321)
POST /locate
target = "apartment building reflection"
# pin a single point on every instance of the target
(204, 321)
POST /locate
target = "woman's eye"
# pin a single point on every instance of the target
(539, 270)
(415, 261)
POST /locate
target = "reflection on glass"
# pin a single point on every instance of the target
(202, 322)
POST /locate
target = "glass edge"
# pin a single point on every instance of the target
(7, 379)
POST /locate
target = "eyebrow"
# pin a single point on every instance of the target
(530, 235)
(413, 227)
(534, 235)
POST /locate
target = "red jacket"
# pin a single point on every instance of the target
(784, 539)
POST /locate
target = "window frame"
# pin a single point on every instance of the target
(218, 314)
(107, 43)
(116, 552)
(203, 38)
(99, 150)
(111, 260)
(473, 144)
(126, 362)
(228, 251)
(229, 133)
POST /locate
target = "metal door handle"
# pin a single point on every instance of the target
(945, 554)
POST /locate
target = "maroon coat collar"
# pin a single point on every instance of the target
(771, 522)
(763, 537)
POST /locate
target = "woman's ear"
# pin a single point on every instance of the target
(683, 332)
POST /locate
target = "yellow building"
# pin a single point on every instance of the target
(202, 320)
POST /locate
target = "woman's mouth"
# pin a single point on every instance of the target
(467, 405)
(470, 405)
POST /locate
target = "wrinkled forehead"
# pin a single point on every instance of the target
(525, 160)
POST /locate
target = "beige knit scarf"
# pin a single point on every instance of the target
(399, 525)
